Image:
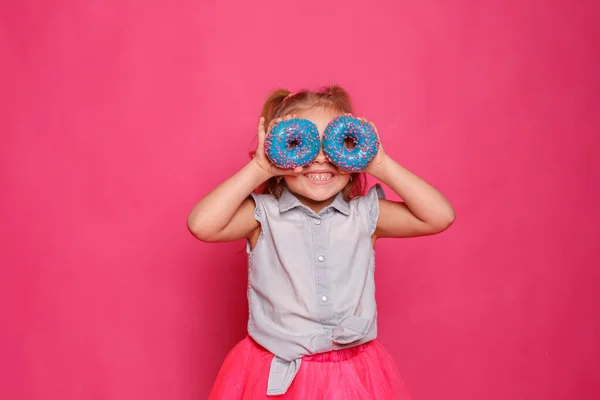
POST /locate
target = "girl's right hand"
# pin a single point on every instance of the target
(261, 158)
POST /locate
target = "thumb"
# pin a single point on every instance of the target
(261, 132)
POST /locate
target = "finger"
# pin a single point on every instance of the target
(366, 121)
(374, 128)
(281, 171)
(261, 131)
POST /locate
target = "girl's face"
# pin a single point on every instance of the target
(321, 181)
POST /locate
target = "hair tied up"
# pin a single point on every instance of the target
(287, 97)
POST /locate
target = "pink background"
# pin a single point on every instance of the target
(116, 118)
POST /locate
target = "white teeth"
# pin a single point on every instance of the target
(320, 176)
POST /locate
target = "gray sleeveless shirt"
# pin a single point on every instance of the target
(311, 285)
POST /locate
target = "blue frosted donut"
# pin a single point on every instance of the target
(366, 143)
(293, 143)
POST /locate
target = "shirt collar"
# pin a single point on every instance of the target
(288, 201)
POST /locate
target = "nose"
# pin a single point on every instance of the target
(321, 159)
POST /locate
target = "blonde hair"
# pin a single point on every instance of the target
(282, 102)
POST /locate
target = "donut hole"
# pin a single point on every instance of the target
(293, 143)
(349, 143)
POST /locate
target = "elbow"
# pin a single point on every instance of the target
(199, 231)
(447, 223)
(443, 222)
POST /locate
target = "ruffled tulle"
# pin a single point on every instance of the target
(365, 372)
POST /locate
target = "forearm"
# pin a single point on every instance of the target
(214, 211)
(424, 201)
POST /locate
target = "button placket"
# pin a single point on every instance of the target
(322, 277)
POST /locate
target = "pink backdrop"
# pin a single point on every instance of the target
(116, 118)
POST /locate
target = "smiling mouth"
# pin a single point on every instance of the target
(321, 176)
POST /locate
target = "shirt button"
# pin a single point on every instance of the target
(318, 222)
(324, 299)
(321, 258)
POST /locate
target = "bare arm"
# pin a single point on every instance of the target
(227, 212)
(424, 210)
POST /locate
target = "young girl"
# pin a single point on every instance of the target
(310, 231)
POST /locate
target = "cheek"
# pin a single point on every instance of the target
(344, 179)
(290, 181)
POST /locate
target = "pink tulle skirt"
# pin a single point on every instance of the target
(365, 372)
